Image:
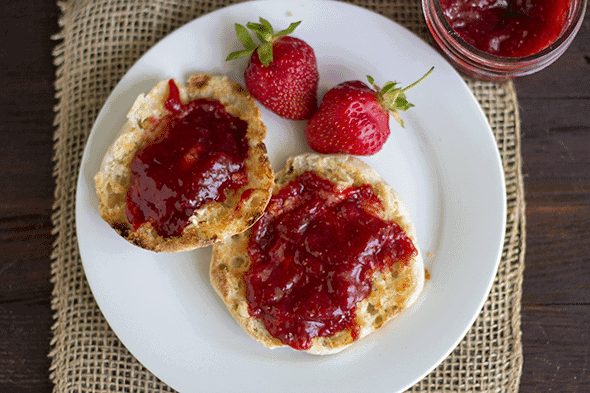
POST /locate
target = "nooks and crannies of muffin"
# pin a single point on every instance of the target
(235, 212)
(392, 290)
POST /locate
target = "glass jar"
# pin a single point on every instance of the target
(479, 64)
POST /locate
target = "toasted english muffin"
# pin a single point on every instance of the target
(391, 292)
(215, 219)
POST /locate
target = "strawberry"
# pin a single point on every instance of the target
(353, 118)
(282, 73)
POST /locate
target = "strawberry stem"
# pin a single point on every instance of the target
(419, 80)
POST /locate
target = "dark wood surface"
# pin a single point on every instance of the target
(555, 113)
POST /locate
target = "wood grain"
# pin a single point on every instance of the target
(557, 348)
(556, 159)
(555, 113)
(555, 123)
(26, 187)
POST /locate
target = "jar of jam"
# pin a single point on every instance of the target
(502, 39)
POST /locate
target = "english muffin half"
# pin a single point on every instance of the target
(333, 258)
(188, 168)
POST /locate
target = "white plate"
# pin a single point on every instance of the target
(445, 165)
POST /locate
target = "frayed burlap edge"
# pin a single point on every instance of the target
(86, 355)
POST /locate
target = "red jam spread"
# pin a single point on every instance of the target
(196, 157)
(508, 28)
(313, 254)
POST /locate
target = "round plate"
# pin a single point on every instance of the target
(444, 163)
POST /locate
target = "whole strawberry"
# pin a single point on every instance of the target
(353, 118)
(282, 73)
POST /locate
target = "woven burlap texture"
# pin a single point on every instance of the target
(98, 42)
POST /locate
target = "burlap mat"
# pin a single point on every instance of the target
(99, 41)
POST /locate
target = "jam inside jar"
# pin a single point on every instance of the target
(507, 28)
(313, 254)
(197, 155)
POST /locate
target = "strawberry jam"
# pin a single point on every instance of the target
(508, 28)
(197, 155)
(313, 254)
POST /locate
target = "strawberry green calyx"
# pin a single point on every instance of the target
(265, 34)
(393, 99)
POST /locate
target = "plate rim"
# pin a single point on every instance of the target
(101, 115)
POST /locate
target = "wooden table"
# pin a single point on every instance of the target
(555, 112)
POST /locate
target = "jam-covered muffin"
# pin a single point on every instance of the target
(333, 257)
(188, 168)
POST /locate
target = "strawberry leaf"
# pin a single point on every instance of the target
(265, 34)
(244, 37)
(261, 30)
(265, 53)
(397, 118)
(246, 40)
(288, 30)
(389, 86)
(401, 103)
(239, 53)
(393, 99)
(267, 26)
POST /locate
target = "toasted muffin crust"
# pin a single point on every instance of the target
(392, 291)
(214, 220)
